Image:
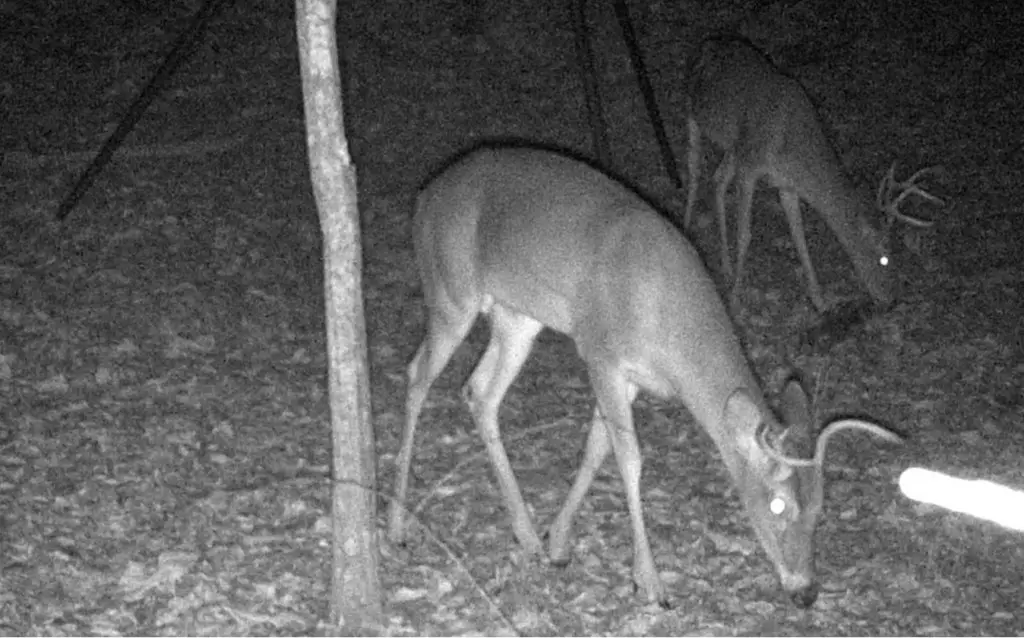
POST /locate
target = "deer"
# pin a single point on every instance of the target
(767, 127)
(535, 238)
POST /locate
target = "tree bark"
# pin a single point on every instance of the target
(355, 596)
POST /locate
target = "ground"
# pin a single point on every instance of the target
(162, 371)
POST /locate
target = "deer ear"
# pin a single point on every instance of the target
(795, 410)
(798, 429)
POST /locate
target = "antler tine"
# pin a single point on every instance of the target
(823, 439)
(770, 449)
(892, 206)
(885, 187)
(910, 187)
(906, 188)
(850, 424)
(907, 219)
(927, 169)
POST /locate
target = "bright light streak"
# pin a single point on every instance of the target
(984, 499)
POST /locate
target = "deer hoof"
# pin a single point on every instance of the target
(805, 597)
(659, 597)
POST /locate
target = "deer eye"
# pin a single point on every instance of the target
(777, 505)
(884, 260)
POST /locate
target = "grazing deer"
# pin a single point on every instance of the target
(536, 239)
(767, 127)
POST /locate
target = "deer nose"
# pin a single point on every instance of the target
(805, 597)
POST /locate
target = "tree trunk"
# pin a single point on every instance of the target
(356, 596)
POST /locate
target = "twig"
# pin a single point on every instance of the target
(181, 50)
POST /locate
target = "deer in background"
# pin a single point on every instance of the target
(536, 239)
(766, 126)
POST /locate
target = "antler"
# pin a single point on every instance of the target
(819, 452)
(890, 206)
(772, 449)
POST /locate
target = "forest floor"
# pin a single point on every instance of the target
(164, 436)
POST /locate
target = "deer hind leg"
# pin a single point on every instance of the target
(445, 331)
(723, 177)
(512, 336)
(746, 184)
(791, 204)
(693, 161)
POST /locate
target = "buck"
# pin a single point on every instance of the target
(536, 239)
(767, 127)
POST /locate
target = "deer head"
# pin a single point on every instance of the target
(783, 494)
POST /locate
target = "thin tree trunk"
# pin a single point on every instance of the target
(355, 596)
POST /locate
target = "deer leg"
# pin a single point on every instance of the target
(512, 336)
(791, 204)
(596, 450)
(444, 334)
(723, 177)
(615, 399)
(693, 161)
(746, 183)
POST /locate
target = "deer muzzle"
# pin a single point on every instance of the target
(802, 590)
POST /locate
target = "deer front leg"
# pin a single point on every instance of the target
(597, 448)
(615, 399)
(791, 204)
